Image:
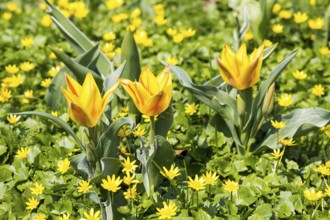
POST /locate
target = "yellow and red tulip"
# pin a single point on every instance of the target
(151, 95)
(85, 103)
(239, 70)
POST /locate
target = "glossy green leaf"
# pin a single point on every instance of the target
(58, 121)
(80, 164)
(164, 122)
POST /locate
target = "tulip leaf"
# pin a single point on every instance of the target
(109, 140)
(80, 164)
(111, 79)
(298, 123)
(164, 122)
(268, 51)
(258, 101)
(58, 121)
(77, 39)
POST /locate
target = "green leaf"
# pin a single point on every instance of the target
(77, 39)
(298, 123)
(164, 122)
(268, 51)
(109, 166)
(202, 215)
(263, 211)
(80, 164)
(58, 121)
(109, 140)
(111, 79)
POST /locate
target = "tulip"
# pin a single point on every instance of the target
(151, 95)
(237, 69)
(85, 103)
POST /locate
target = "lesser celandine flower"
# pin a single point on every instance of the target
(277, 153)
(318, 90)
(287, 142)
(40, 216)
(54, 113)
(311, 195)
(129, 167)
(197, 184)
(37, 189)
(171, 32)
(276, 8)
(300, 75)
(27, 42)
(191, 109)
(324, 51)
(267, 43)
(168, 210)
(323, 169)
(83, 186)
(12, 119)
(239, 70)
(27, 66)
(46, 82)
(13, 81)
(63, 165)
(23, 152)
(85, 104)
(285, 100)
(32, 203)
(210, 178)
(46, 21)
(65, 217)
(128, 179)
(285, 14)
(188, 32)
(12, 69)
(7, 16)
(172, 60)
(108, 36)
(151, 95)
(277, 28)
(277, 124)
(130, 193)
(5, 95)
(171, 173)
(91, 215)
(231, 186)
(113, 4)
(300, 17)
(138, 132)
(316, 24)
(111, 183)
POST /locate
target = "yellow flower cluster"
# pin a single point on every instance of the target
(113, 4)
(141, 38)
(77, 9)
(179, 35)
(160, 15)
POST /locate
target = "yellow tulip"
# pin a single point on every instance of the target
(151, 95)
(237, 69)
(85, 103)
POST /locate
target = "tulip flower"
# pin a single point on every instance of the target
(151, 95)
(239, 70)
(85, 103)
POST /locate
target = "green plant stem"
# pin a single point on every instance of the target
(313, 213)
(197, 197)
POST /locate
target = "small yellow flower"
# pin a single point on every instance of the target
(54, 113)
(267, 43)
(46, 82)
(168, 210)
(160, 20)
(191, 109)
(313, 37)
(119, 17)
(12, 69)
(107, 47)
(27, 42)
(5, 95)
(12, 119)
(52, 56)
(91, 215)
(46, 20)
(138, 132)
(285, 14)
(324, 51)
(130, 193)
(83, 186)
(128, 179)
(32, 203)
(277, 153)
(65, 217)
(311, 2)
(197, 183)
(63, 166)
(11, 6)
(188, 32)
(13, 81)
(278, 124)
(113, 4)
(231, 186)
(318, 90)
(136, 13)
(129, 167)
(27, 66)
(40, 216)
(285, 100)
(172, 60)
(300, 75)
(287, 142)
(37, 189)
(311, 195)
(171, 173)
(276, 8)
(146, 118)
(7, 16)
(300, 17)
(178, 38)
(111, 184)
(171, 32)
(327, 164)
(323, 169)
(54, 70)
(109, 36)
(210, 178)
(326, 130)
(23, 152)
(316, 24)
(277, 28)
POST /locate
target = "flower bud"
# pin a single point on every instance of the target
(268, 105)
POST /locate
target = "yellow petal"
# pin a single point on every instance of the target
(226, 74)
(73, 85)
(149, 81)
(90, 96)
(164, 79)
(81, 117)
(107, 96)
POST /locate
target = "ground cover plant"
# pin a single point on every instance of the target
(150, 109)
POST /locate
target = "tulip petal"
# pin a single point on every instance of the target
(156, 104)
(149, 81)
(81, 117)
(70, 97)
(73, 85)
(164, 79)
(226, 74)
(107, 96)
